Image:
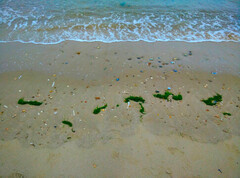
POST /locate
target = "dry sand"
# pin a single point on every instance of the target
(172, 139)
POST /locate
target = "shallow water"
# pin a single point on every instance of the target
(115, 20)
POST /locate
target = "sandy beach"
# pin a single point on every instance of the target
(184, 138)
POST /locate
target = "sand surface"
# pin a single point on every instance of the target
(173, 138)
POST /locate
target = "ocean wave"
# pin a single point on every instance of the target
(131, 24)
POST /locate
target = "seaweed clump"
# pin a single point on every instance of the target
(167, 94)
(227, 114)
(98, 109)
(67, 123)
(134, 98)
(177, 97)
(35, 103)
(213, 100)
(142, 110)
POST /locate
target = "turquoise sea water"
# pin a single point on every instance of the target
(53, 21)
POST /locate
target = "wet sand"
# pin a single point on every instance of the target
(183, 138)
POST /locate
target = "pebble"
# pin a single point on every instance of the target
(157, 91)
(5, 106)
(53, 84)
(168, 171)
(190, 53)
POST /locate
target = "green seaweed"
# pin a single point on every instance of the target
(67, 123)
(213, 100)
(134, 98)
(35, 103)
(227, 114)
(142, 110)
(177, 97)
(167, 94)
(98, 109)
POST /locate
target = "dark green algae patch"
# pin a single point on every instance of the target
(227, 114)
(134, 98)
(98, 109)
(23, 102)
(67, 123)
(167, 94)
(142, 110)
(213, 100)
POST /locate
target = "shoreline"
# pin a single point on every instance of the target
(120, 41)
(173, 138)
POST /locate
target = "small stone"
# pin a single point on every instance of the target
(168, 171)
(190, 53)
(94, 165)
